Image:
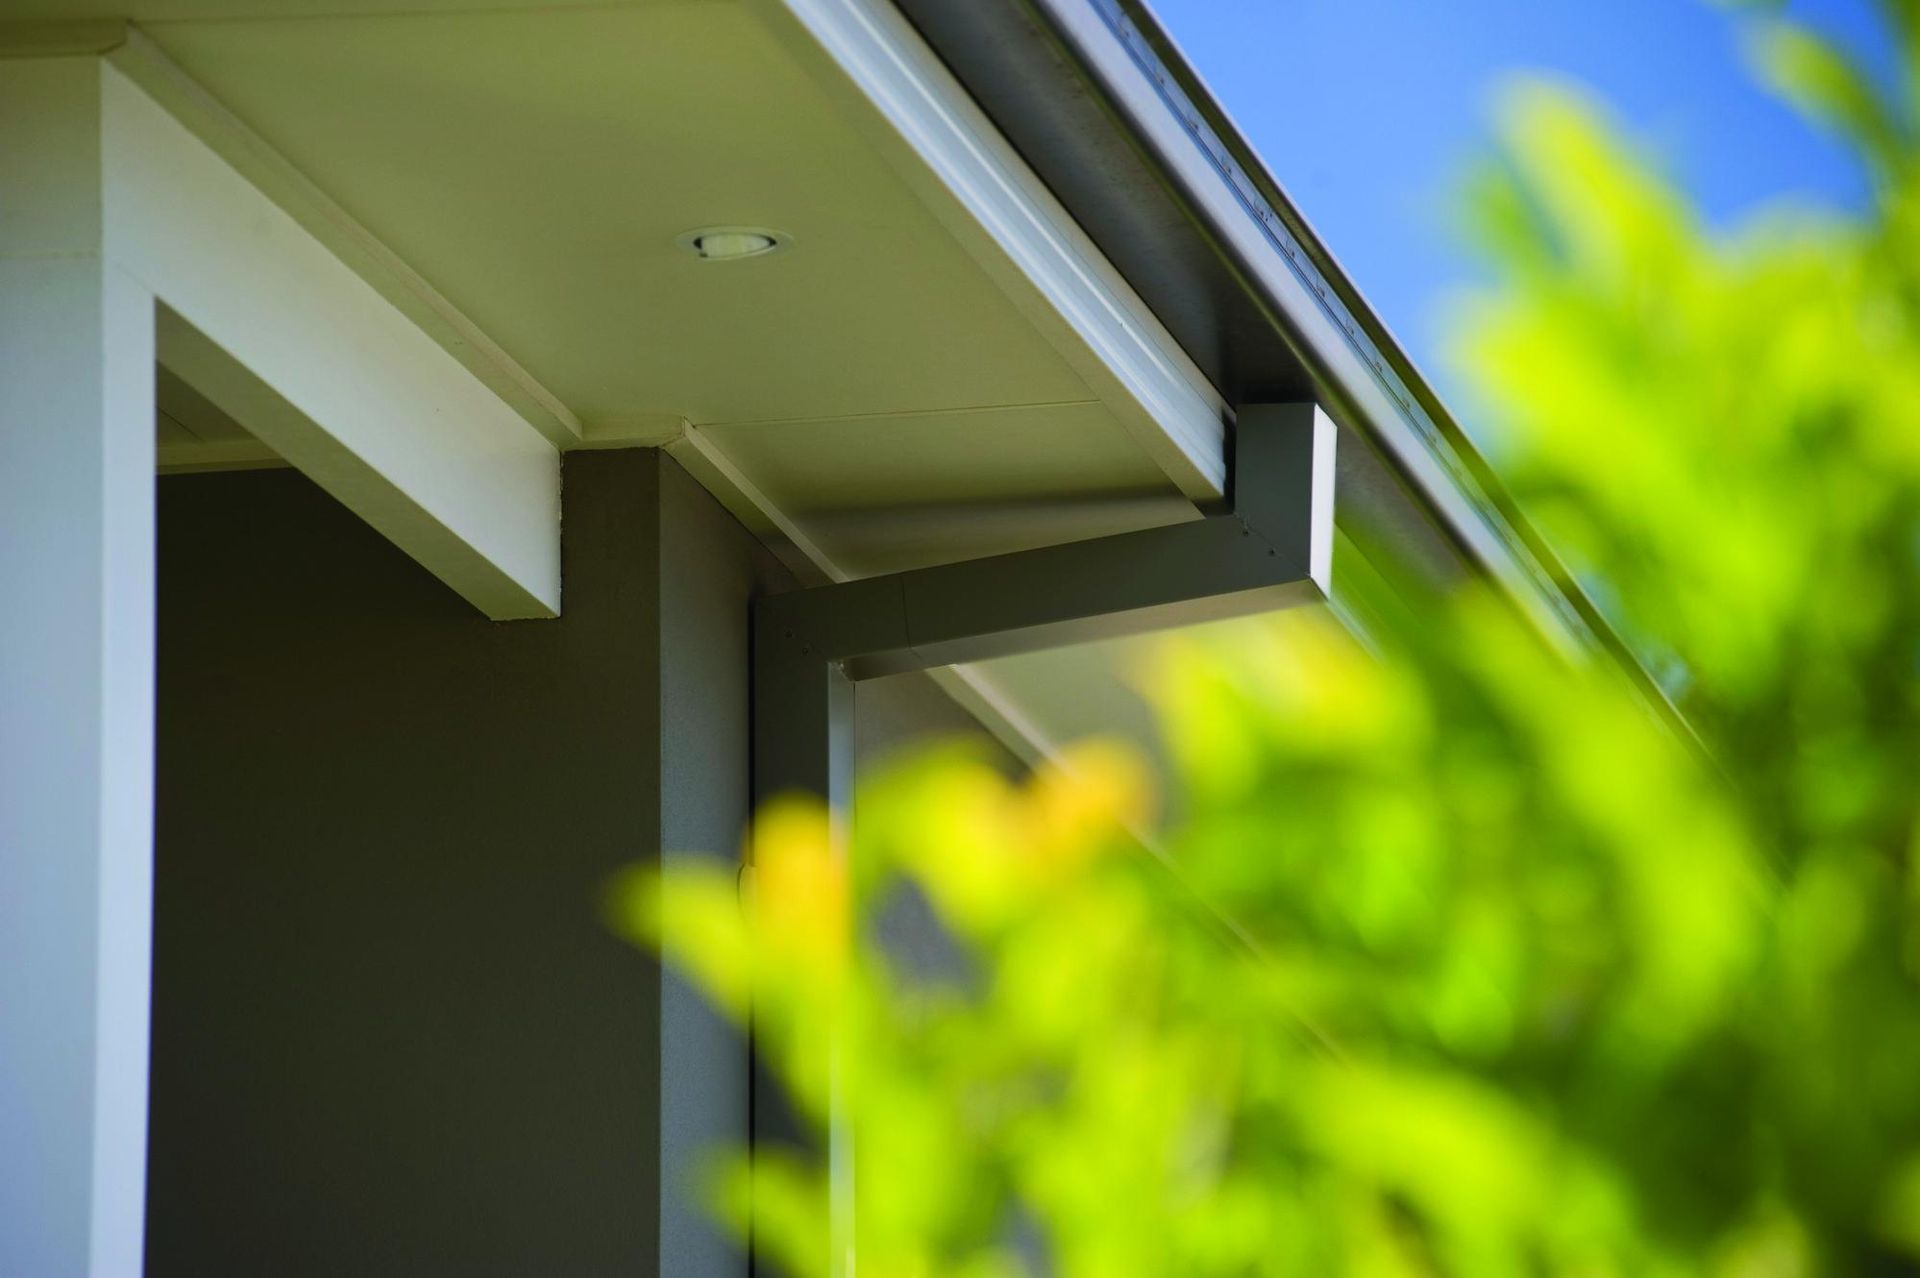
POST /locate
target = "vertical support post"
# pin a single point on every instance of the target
(802, 745)
(76, 692)
(802, 722)
(1274, 550)
(708, 568)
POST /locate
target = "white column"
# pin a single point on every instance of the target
(76, 692)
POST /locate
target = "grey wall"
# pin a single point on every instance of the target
(391, 1036)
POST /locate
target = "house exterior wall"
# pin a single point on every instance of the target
(392, 1035)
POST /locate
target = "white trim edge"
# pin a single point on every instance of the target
(973, 180)
(265, 320)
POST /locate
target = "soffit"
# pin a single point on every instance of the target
(536, 166)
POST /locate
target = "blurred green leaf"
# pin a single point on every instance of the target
(1456, 961)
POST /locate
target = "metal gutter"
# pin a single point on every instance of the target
(1417, 428)
(1101, 104)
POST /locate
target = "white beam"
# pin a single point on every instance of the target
(896, 89)
(76, 693)
(133, 53)
(277, 331)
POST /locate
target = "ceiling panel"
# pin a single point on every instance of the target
(540, 167)
(890, 491)
(537, 168)
(921, 458)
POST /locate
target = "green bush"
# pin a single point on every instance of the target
(1460, 960)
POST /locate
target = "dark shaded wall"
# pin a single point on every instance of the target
(391, 1035)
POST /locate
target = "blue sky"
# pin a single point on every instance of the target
(1369, 111)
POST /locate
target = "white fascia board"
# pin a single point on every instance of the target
(942, 144)
(271, 325)
(696, 452)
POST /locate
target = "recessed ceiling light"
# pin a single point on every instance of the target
(731, 243)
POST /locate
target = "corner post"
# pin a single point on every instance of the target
(76, 692)
(802, 746)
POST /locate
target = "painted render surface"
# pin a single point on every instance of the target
(392, 1036)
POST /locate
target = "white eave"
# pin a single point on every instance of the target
(946, 364)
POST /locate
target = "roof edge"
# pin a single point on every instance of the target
(1191, 148)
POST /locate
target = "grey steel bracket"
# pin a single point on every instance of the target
(1271, 549)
